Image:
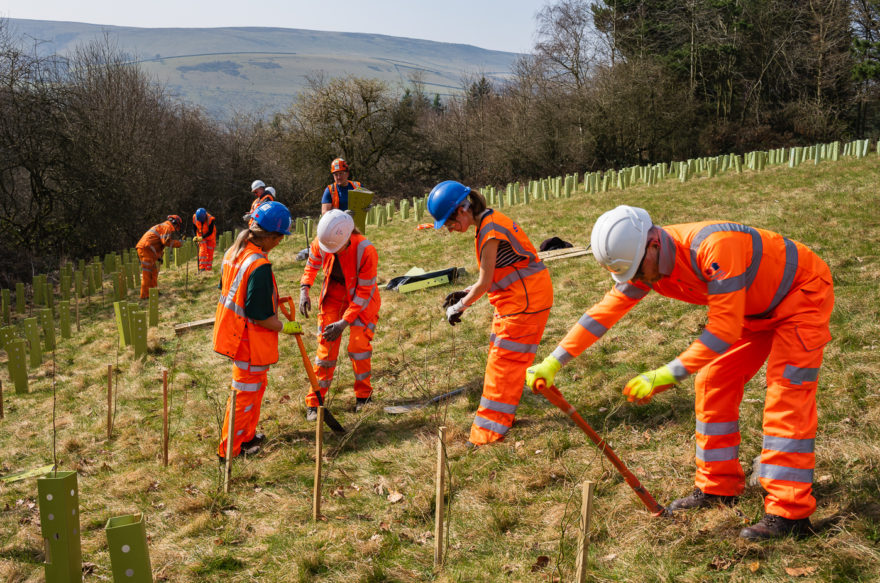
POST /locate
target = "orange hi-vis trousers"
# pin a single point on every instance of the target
(206, 253)
(792, 343)
(360, 347)
(249, 382)
(512, 348)
(149, 271)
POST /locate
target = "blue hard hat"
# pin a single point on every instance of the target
(273, 216)
(444, 199)
(201, 215)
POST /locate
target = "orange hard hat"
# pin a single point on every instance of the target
(175, 220)
(338, 165)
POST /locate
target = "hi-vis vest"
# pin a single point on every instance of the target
(525, 286)
(231, 326)
(358, 262)
(158, 237)
(334, 192)
(202, 228)
(260, 200)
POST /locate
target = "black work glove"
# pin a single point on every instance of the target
(454, 297)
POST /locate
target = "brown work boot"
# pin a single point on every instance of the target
(699, 499)
(773, 526)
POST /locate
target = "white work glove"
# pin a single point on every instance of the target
(305, 304)
(454, 312)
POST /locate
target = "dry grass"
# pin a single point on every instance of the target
(510, 503)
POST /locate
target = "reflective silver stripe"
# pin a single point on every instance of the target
(513, 346)
(667, 252)
(155, 232)
(490, 425)
(260, 368)
(757, 249)
(360, 355)
(718, 428)
(366, 281)
(721, 454)
(789, 444)
(518, 274)
(798, 376)
(496, 406)
(791, 265)
(360, 252)
(359, 322)
(228, 301)
(239, 432)
(562, 355)
(362, 376)
(361, 301)
(325, 363)
(589, 324)
(248, 408)
(714, 343)
(242, 364)
(631, 291)
(726, 286)
(325, 384)
(156, 251)
(774, 472)
(510, 237)
(678, 370)
(247, 387)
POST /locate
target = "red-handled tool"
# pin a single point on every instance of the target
(554, 396)
(287, 308)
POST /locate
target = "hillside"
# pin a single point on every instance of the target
(262, 69)
(513, 508)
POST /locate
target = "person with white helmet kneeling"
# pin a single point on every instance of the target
(349, 298)
(770, 300)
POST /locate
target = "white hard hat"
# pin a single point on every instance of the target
(334, 230)
(270, 189)
(257, 184)
(618, 240)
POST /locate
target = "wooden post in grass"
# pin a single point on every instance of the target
(439, 502)
(584, 536)
(319, 454)
(230, 436)
(109, 401)
(165, 417)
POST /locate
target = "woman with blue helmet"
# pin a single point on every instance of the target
(520, 290)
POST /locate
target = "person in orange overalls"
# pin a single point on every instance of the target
(150, 248)
(519, 289)
(262, 193)
(206, 237)
(770, 300)
(336, 194)
(246, 323)
(349, 298)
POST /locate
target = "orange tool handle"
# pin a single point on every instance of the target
(286, 306)
(554, 396)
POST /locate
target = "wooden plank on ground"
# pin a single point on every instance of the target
(181, 328)
(555, 254)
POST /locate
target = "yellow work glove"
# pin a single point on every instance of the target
(197, 239)
(641, 388)
(292, 328)
(546, 370)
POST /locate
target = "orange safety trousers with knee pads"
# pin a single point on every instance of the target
(522, 295)
(249, 382)
(149, 250)
(360, 347)
(770, 299)
(208, 242)
(149, 271)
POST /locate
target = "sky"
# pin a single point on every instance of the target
(504, 25)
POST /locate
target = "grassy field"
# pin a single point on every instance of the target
(513, 506)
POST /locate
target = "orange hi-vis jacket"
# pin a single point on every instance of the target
(232, 327)
(521, 288)
(741, 273)
(359, 262)
(158, 237)
(258, 200)
(334, 192)
(202, 229)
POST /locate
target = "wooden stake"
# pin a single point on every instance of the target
(584, 537)
(76, 304)
(165, 417)
(319, 454)
(230, 436)
(109, 400)
(440, 506)
(1, 399)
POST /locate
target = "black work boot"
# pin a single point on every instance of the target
(361, 402)
(699, 499)
(773, 526)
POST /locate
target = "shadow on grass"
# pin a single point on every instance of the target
(29, 555)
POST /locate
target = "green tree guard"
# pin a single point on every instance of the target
(19, 297)
(7, 335)
(299, 226)
(37, 285)
(166, 257)
(48, 324)
(138, 326)
(32, 334)
(358, 201)
(134, 272)
(5, 298)
(307, 229)
(64, 318)
(78, 283)
(389, 210)
(109, 263)
(123, 282)
(404, 210)
(117, 291)
(65, 287)
(153, 307)
(90, 279)
(129, 553)
(59, 521)
(81, 265)
(121, 310)
(16, 354)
